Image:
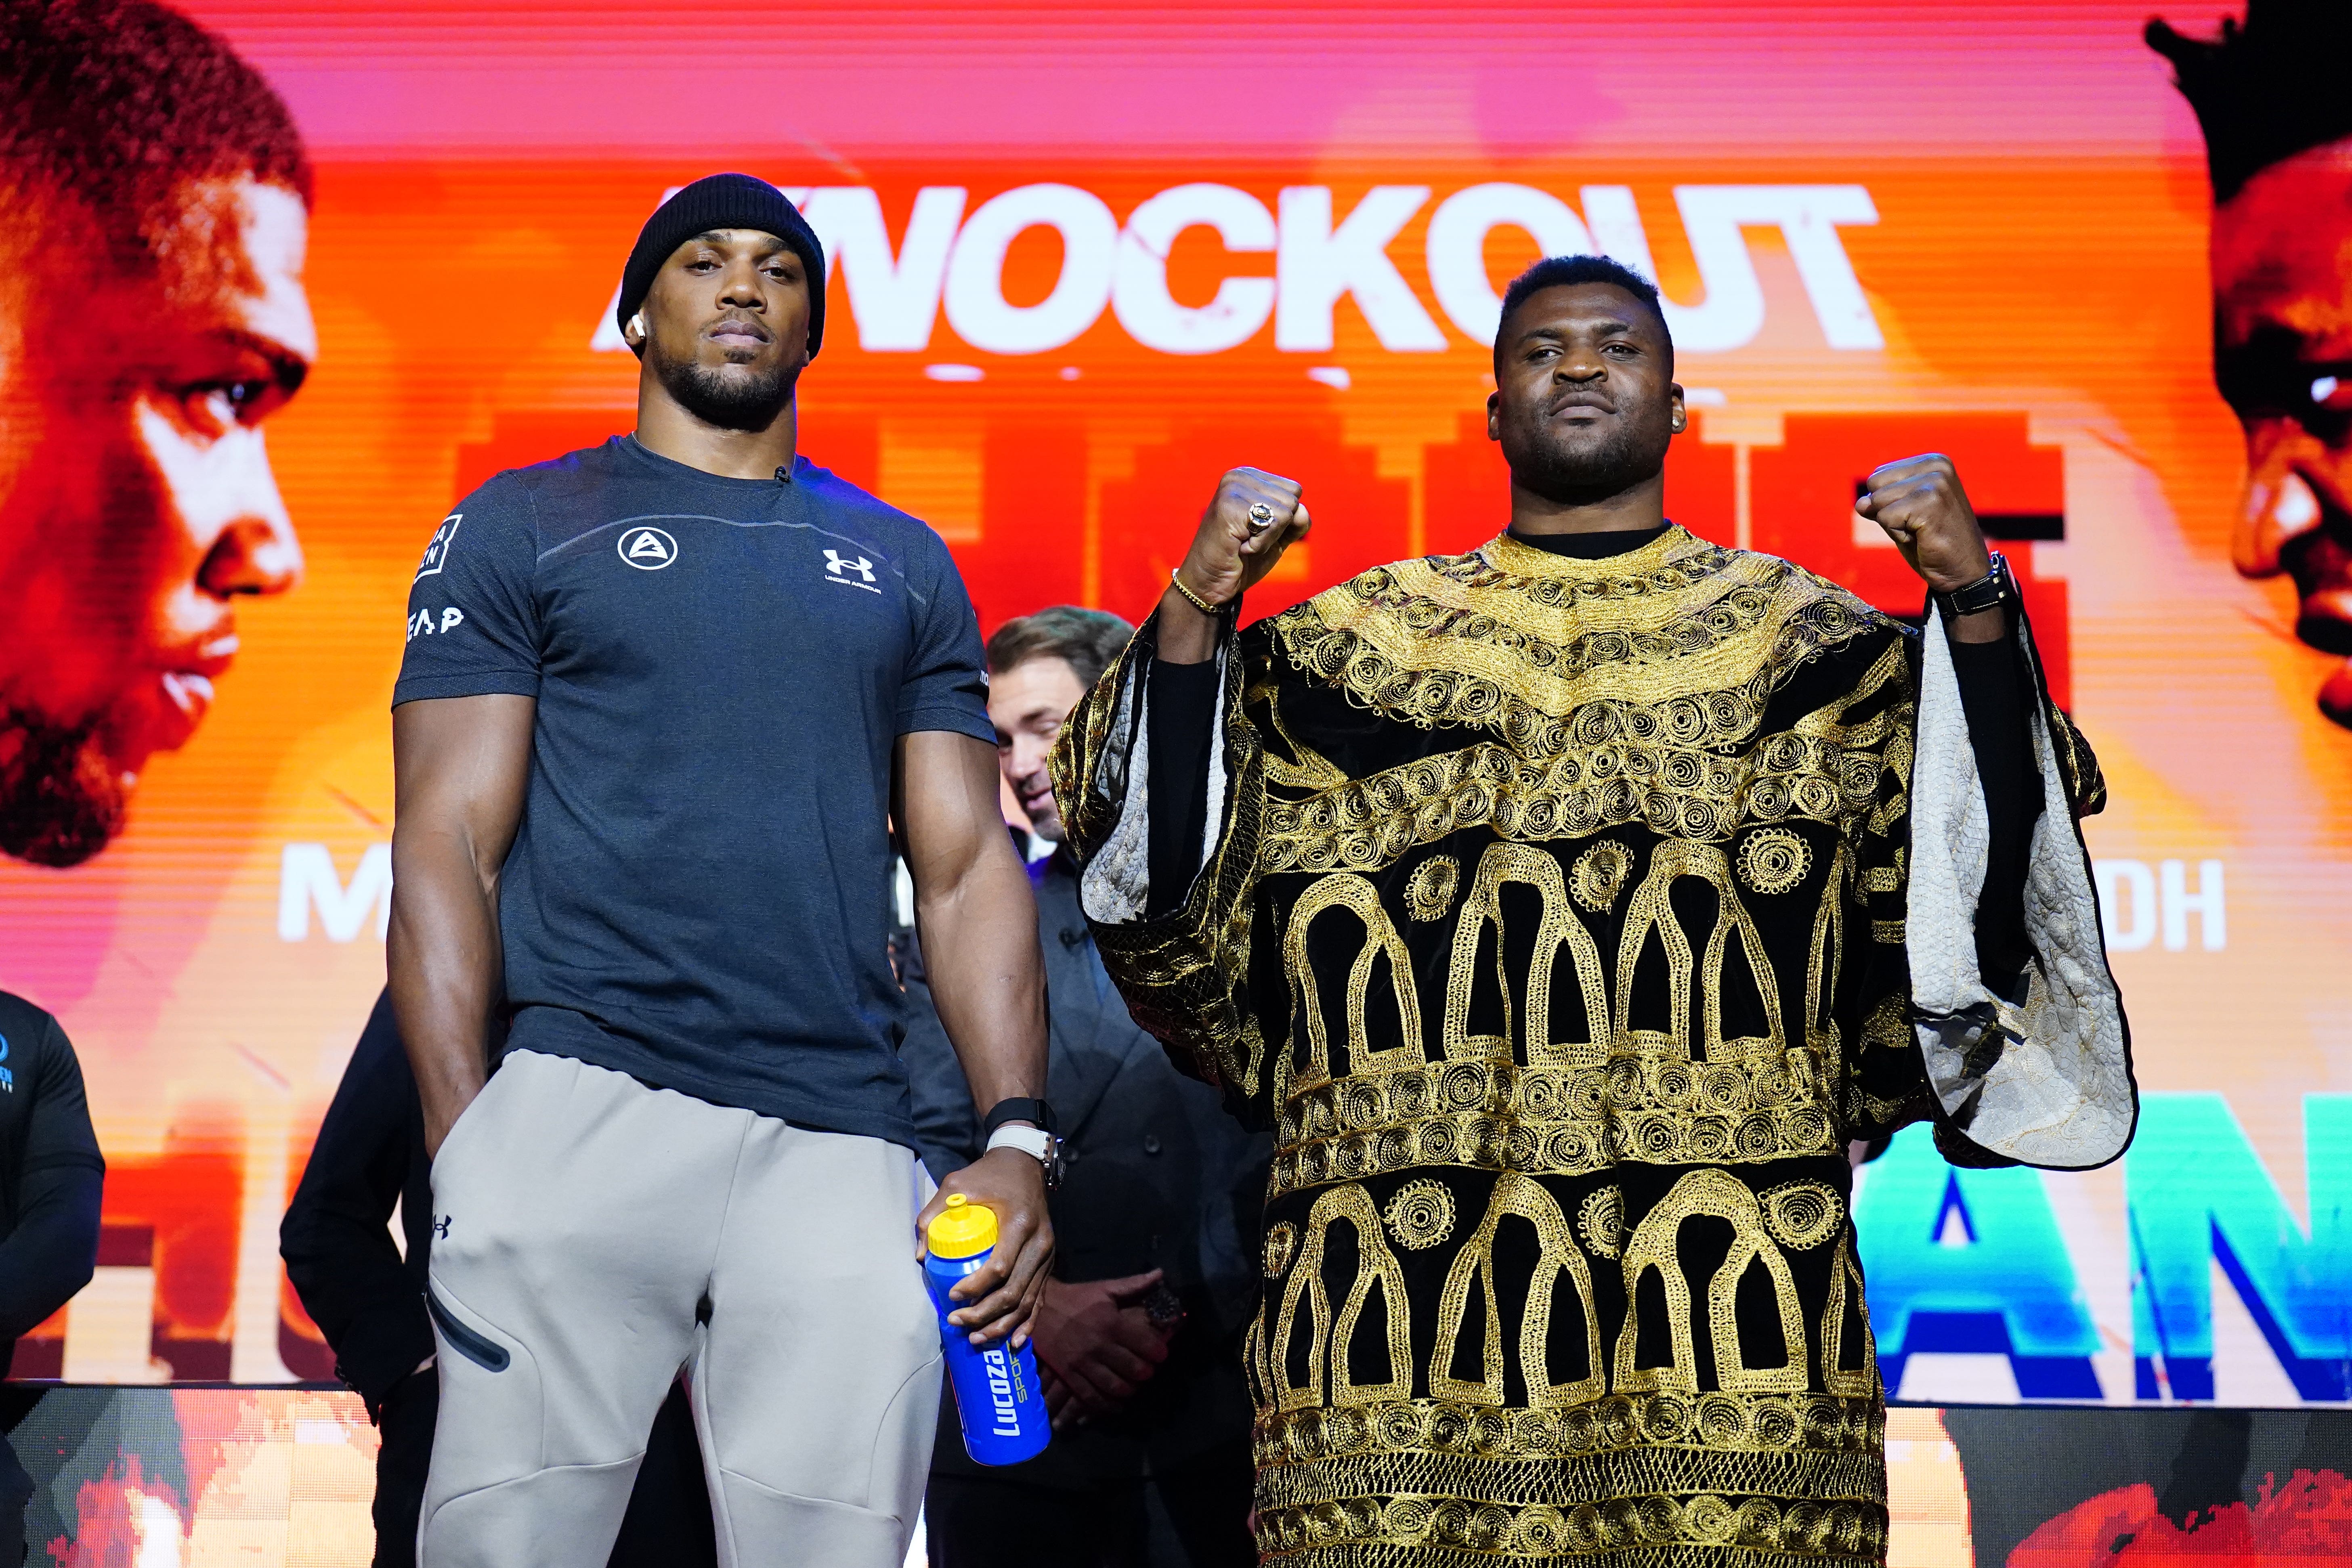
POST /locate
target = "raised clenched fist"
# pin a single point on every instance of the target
(1236, 545)
(1253, 516)
(1920, 504)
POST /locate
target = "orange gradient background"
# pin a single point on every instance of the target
(2037, 270)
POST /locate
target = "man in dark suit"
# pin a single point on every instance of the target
(367, 1296)
(1139, 1337)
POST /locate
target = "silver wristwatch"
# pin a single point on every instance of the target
(1037, 1143)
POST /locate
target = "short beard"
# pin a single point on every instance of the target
(1585, 478)
(61, 798)
(730, 402)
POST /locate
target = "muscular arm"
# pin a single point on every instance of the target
(460, 767)
(978, 926)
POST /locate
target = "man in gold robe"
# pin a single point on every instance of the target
(1567, 908)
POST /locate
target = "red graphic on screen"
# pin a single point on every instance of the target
(2310, 1517)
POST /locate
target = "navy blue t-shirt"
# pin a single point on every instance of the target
(699, 894)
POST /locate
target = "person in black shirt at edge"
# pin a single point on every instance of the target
(1139, 1334)
(50, 1180)
(367, 1296)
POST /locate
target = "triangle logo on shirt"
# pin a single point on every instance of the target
(648, 549)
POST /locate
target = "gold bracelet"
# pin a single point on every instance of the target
(1176, 577)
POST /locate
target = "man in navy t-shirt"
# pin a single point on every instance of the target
(662, 701)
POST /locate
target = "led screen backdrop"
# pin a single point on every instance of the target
(1084, 261)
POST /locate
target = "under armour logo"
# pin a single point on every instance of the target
(441, 1227)
(648, 549)
(837, 569)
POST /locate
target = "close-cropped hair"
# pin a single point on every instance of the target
(1089, 641)
(2267, 88)
(1561, 271)
(119, 103)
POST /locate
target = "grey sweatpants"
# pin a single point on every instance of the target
(592, 1237)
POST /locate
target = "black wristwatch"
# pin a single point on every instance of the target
(1005, 1110)
(1994, 588)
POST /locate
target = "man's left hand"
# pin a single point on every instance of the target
(1001, 1297)
(1920, 504)
(1100, 1343)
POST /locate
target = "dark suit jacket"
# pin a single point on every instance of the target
(367, 1301)
(1159, 1177)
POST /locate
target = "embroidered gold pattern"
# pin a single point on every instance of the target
(1774, 860)
(1838, 1331)
(1789, 1478)
(1803, 1214)
(1600, 874)
(1560, 934)
(1281, 1246)
(1377, 1270)
(1475, 1265)
(1419, 1215)
(1649, 912)
(1693, 792)
(1727, 1423)
(1429, 893)
(1565, 783)
(1602, 1220)
(1644, 1109)
(1358, 898)
(1654, 1246)
(1432, 642)
(1640, 1108)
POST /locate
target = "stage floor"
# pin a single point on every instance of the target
(281, 1477)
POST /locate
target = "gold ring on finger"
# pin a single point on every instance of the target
(1260, 517)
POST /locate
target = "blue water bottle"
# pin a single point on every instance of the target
(998, 1397)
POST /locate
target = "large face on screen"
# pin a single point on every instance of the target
(137, 504)
(2283, 356)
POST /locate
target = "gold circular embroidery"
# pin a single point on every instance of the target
(1803, 1214)
(1774, 860)
(1429, 893)
(1281, 1246)
(1602, 1217)
(1419, 1215)
(1600, 874)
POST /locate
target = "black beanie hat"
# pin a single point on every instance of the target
(724, 201)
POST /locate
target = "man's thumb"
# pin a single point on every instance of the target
(1133, 1288)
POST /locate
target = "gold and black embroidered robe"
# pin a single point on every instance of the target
(1565, 919)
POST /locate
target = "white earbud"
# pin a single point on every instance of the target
(638, 323)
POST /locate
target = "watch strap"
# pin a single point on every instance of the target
(1035, 1142)
(1004, 1110)
(1987, 592)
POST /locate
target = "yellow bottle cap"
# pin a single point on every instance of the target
(963, 1228)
